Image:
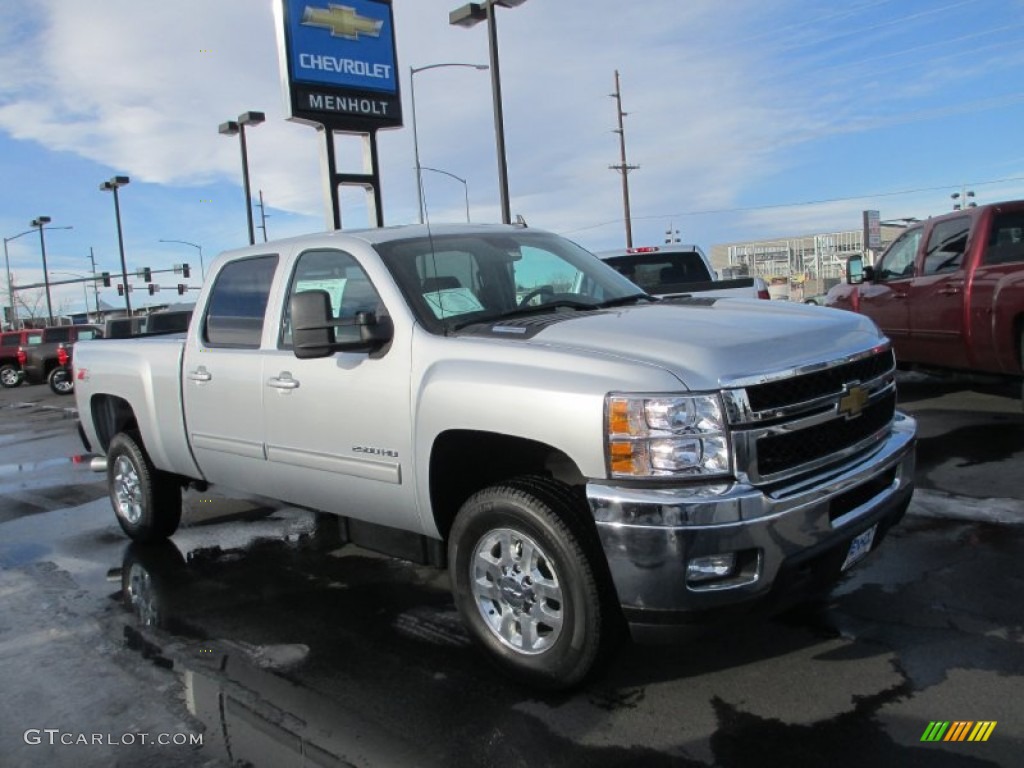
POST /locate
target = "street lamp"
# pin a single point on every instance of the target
(230, 128)
(457, 178)
(112, 186)
(415, 135)
(202, 269)
(7, 269)
(40, 223)
(470, 15)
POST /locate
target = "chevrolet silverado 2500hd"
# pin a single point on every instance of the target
(949, 291)
(574, 450)
(675, 270)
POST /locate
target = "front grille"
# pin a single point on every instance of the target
(809, 386)
(781, 452)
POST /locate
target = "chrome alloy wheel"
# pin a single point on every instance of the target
(517, 591)
(127, 490)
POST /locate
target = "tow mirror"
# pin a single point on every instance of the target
(314, 329)
(312, 324)
(855, 270)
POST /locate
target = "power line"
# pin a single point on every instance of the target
(747, 209)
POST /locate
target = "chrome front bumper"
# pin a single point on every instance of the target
(650, 535)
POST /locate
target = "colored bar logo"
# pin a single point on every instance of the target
(958, 730)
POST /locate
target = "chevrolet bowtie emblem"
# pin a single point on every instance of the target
(342, 20)
(852, 403)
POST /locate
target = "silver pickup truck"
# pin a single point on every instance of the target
(580, 455)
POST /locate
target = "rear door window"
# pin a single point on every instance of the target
(1006, 239)
(238, 303)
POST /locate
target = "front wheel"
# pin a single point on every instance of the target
(147, 501)
(10, 376)
(525, 578)
(60, 381)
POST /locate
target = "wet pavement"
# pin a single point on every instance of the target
(255, 632)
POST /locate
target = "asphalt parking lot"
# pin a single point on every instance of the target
(255, 634)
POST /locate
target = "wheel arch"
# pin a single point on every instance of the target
(111, 415)
(473, 453)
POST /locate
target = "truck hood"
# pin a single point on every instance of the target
(706, 343)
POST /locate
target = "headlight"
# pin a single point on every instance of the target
(666, 435)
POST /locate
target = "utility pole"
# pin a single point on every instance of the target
(95, 286)
(263, 217)
(623, 167)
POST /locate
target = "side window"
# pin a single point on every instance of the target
(89, 333)
(898, 261)
(238, 301)
(1006, 241)
(345, 282)
(946, 246)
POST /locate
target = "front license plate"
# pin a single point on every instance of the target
(860, 546)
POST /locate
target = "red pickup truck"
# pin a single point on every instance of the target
(949, 291)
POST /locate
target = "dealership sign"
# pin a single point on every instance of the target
(338, 63)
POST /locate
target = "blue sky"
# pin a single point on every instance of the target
(748, 119)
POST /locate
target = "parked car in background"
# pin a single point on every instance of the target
(678, 270)
(10, 369)
(40, 360)
(949, 291)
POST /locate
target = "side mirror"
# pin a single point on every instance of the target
(312, 324)
(314, 328)
(855, 270)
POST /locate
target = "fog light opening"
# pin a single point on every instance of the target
(710, 568)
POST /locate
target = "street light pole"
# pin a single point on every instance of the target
(467, 16)
(415, 134)
(7, 269)
(457, 178)
(230, 128)
(40, 222)
(112, 186)
(202, 269)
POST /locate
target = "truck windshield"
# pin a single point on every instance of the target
(454, 280)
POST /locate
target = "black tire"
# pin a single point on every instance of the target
(60, 380)
(570, 621)
(146, 501)
(10, 376)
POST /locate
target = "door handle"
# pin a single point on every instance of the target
(949, 290)
(899, 295)
(284, 380)
(200, 374)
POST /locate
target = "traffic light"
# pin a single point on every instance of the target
(147, 274)
(185, 271)
(120, 289)
(106, 279)
(153, 288)
(182, 287)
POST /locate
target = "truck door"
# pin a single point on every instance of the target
(884, 299)
(338, 429)
(222, 387)
(936, 297)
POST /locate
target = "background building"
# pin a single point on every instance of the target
(798, 267)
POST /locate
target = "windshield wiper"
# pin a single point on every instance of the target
(524, 311)
(633, 298)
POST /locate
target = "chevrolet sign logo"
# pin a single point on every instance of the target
(342, 21)
(852, 403)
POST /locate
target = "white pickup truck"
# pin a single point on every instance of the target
(680, 270)
(575, 451)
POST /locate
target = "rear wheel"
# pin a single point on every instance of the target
(146, 501)
(60, 381)
(525, 577)
(10, 376)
